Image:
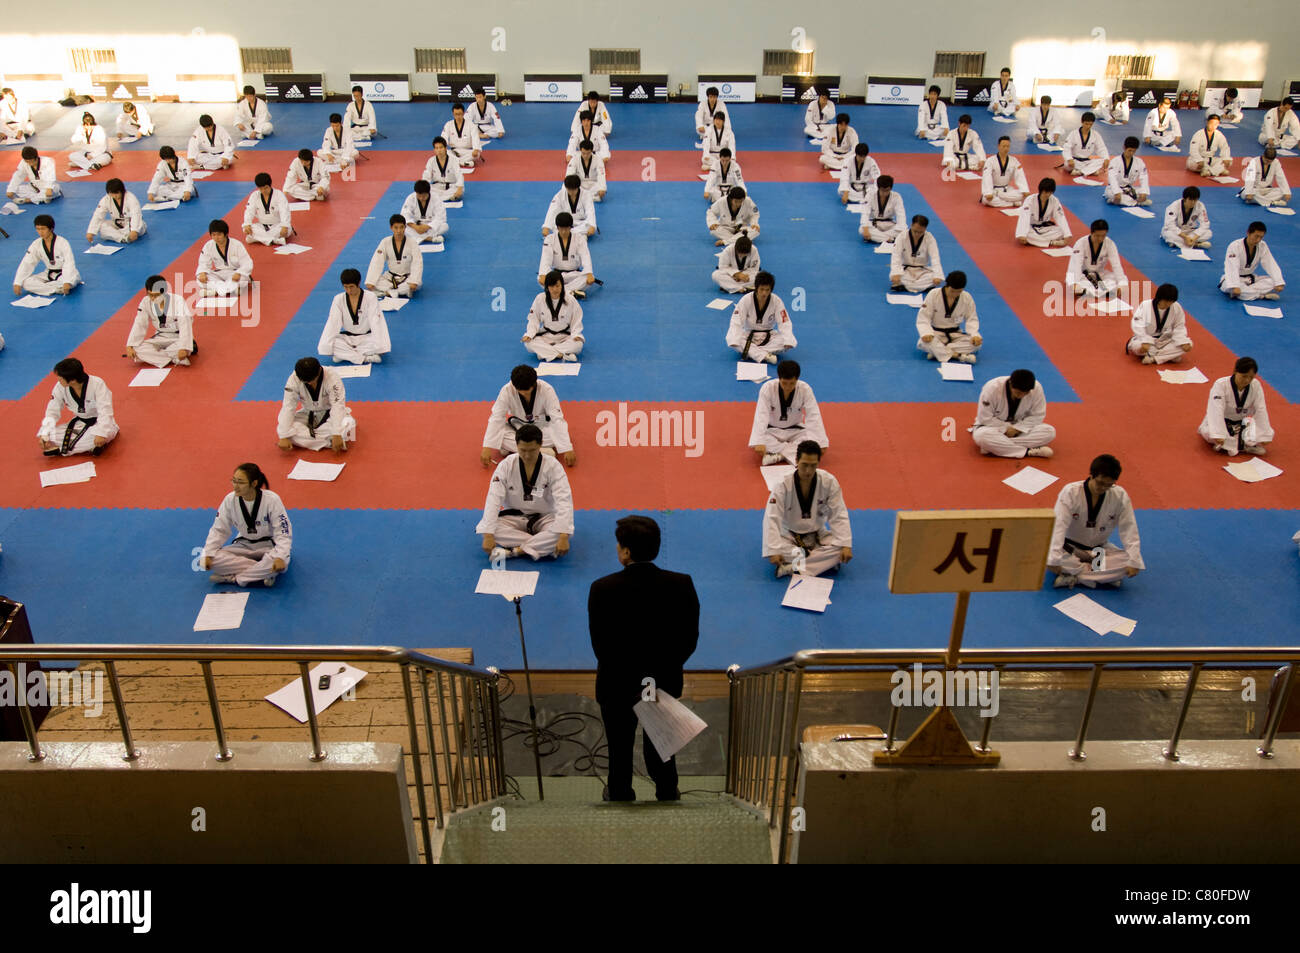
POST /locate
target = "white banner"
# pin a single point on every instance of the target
(1068, 93)
(1249, 96)
(553, 92)
(739, 92)
(384, 90)
(903, 95)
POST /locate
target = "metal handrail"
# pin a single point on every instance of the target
(478, 757)
(763, 740)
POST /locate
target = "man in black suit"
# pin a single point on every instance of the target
(644, 621)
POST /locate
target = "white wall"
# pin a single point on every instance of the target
(1192, 40)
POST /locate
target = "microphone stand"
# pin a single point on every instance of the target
(532, 707)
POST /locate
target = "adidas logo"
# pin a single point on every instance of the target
(982, 96)
(638, 93)
(809, 94)
(294, 92)
(467, 92)
(121, 93)
(1148, 100)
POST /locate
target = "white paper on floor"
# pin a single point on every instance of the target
(200, 173)
(459, 203)
(808, 592)
(1110, 305)
(1030, 480)
(103, 249)
(1056, 252)
(1253, 470)
(1225, 179)
(81, 473)
(774, 474)
(432, 248)
(299, 206)
(392, 304)
(353, 370)
(1048, 147)
(292, 249)
(32, 301)
(1281, 210)
(1004, 119)
(1262, 311)
(247, 143)
(955, 371)
(323, 472)
(884, 248)
(751, 371)
(720, 304)
(1138, 211)
(1010, 212)
(911, 300)
(292, 699)
(150, 377)
(160, 206)
(857, 208)
(558, 369)
(506, 582)
(1095, 616)
(77, 173)
(1191, 376)
(1193, 254)
(1084, 180)
(11, 208)
(970, 176)
(221, 610)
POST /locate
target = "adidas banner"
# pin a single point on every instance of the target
(638, 88)
(382, 87)
(120, 87)
(553, 88)
(1146, 93)
(732, 88)
(1066, 92)
(973, 91)
(294, 87)
(461, 87)
(804, 89)
(895, 90)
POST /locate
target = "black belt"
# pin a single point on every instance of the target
(354, 334)
(259, 539)
(1235, 427)
(546, 330)
(1075, 544)
(313, 423)
(72, 433)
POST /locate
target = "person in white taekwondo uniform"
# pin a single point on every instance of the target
(117, 217)
(15, 118)
(738, 265)
(1162, 128)
(134, 122)
(525, 399)
(572, 199)
(819, 117)
(785, 416)
(355, 331)
(760, 328)
(806, 524)
(723, 177)
(52, 253)
(914, 264)
(963, 150)
(33, 179)
(1208, 152)
(1009, 418)
(858, 175)
(1042, 221)
(267, 219)
(359, 117)
(1187, 223)
(565, 251)
(1127, 182)
(716, 138)
(587, 132)
(1114, 111)
(425, 215)
(1085, 152)
(210, 146)
(443, 174)
(947, 324)
(1045, 123)
(1263, 181)
(485, 117)
(710, 106)
(315, 414)
(307, 180)
(224, 264)
(932, 117)
(253, 116)
(554, 329)
(1088, 512)
(590, 168)
(1280, 127)
(172, 339)
(600, 117)
(91, 427)
(263, 535)
(171, 178)
(883, 217)
(1249, 269)
(1236, 417)
(1095, 269)
(839, 146)
(397, 266)
(462, 137)
(1003, 100)
(729, 218)
(89, 145)
(336, 146)
(1226, 104)
(1003, 184)
(529, 505)
(1160, 329)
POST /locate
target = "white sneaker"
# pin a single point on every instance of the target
(771, 458)
(966, 358)
(1040, 452)
(571, 358)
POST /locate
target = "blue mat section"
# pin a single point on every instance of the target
(649, 333)
(408, 595)
(1265, 339)
(35, 339)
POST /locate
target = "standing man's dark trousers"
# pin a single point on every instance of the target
(620, 735)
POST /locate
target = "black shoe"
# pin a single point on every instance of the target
(676, 796)
(604, 796)
(898, 288)
(97, 451)
(53, 453)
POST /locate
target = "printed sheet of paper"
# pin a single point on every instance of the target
(1056, 252)
(247, 143)
(1095, 616)
(855, 207)
(1138, 211)
(352, 370)
(150, 377)
(1225, 179)
(323, 472)
(970, 176)
(11, 208)
(160, 206)
(299, 206)
(77, 173)
(33, 301)
(1192, 376)
(103, 249)
(1110, 305)
(955, 371)
(774, 474)
(559, 368)
(507, 582)
(388, 303)
(292, 249)
(81, 473)
(293, 699)
(1289, 153)
(808, 592)
(668, 723)
(1010, 212)
(1253, 470)
(1193, 254)
(911, 300)
(1262, 311)
(200, 173)
(750, 371)
(331, 169)
(720, 304)
(1005, 119)
(1281, 210)
(432, 248)
(1048, 147)
(221, 610)
(1030, 480)
(362, 144)
(459, 203)
(1084, 180)
(884, 248)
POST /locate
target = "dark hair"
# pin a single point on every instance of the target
(349, 276)
(1004, 138)
(743, 244)
(205, 120)
(564, 220)
(725, 152)
(1270, 152)
(1256, 227)
(587, 144)
(1105, 465)
(1047, 185)
(358, 89)
(1245, 365)
(764, 278)
(573, 181)
(29, 152)
(304, 154)
(712, 91)
(528, 433)
(113, 186)
(719, 114)
(396, 218)
(1088, 117)
(842, 117)
(439, 139)
(151, 283)
(166, 152)
(1191, 192)
(555, 277)
(1005, 69)
(43, 220)
(1119, 96)
(1099, 225)
(1132, 142)
(964, 117)
(1211, 116)
(736, 193)
(957, 279)
(70, 369)
(1045, 100)
(861, 149)
(811, 447)
(218, 225)
(586, 114)
(90, 116)
(420, 186)
(933, 89)
(1231, 91)
(788, 370)
(1167, 292)
(458, 105)
(593, 95)
(921, 220)
(307, 369)
(262, 180)
(336, 117)
(885, 182)
(255, 475)
(639, 535)
(249, 89)
(523, 377)
(1022, 379)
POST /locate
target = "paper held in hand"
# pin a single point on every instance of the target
(668, 723)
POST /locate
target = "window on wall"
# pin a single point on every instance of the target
(615, 61)
(440, 60)
(958, 63)
(266, 59)
(787, 63)
(1129, 66)
(87, 59)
